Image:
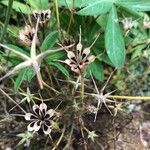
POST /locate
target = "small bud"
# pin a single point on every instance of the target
(79, 47)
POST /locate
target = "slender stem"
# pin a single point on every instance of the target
(146, 98)
(69, 139)
(82, 86)
(71, 18)
(130, 97)
(8, 13)
(60, 139)
(4, 93)
(57, 14)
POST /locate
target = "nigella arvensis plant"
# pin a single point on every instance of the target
(26, 35)
(41, 118)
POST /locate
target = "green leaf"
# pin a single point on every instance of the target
(70, 3)
(39, 4)
(49, 41)
(136, 5)
(102, 21)
(30, 74)
(27, 72)
(20, 79)
(17, 6)
(96, 8)
(55, 56)
(60, 67)
(17, 49)
(105, 58)
(13, 30)
(114, 41)
(96, 69)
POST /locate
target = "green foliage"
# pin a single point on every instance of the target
(107, 14)
(114, 40)
(20, 79)
(39, 4)
(96, 69)
(136, 5)
(49, 41)
(18, 6)
(60, 67)
(97, 8)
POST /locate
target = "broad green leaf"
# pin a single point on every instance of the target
(114, 41)
(39, 4)
(60, 67)
(49, 41)
(136, 5)
(18, 6)
(20, 78)
(96, 69)
(96, 8)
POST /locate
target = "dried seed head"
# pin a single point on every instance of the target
(127, 23)
(26, 35)
(41, 118)
(44, 15)
(80, 61)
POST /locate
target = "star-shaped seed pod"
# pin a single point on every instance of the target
(41, 118)
(43, 14)
(79, 61)
(26, 35)
(101, 97)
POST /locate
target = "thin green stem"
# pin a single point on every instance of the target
(71, 18)
(8, 13)
(57, 14)
(129, 97)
